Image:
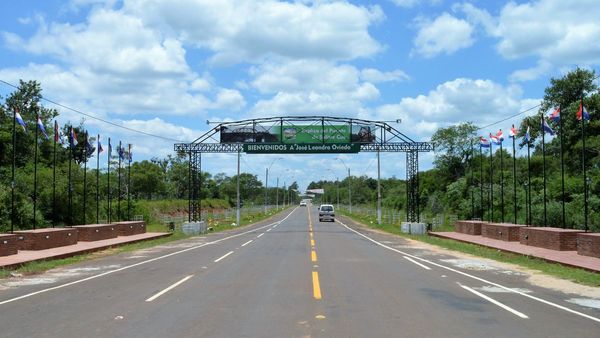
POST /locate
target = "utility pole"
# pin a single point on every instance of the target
(237, 213)
(378, 189)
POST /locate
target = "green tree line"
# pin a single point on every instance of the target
(154, 179)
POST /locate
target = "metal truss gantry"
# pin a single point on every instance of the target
(373, 136)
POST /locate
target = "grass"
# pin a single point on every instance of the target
(41, 266)
(576, 275)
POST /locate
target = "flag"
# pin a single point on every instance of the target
(121, 152)
(555, 115)
(500, 136)
(20, 120)
(109, 148)
(57, 133)
(546, 127)
(130, 155)
(100, 149)
(527, 137)
(512, 133)
(41, 126)
(89, 148)
(495, 139)
(483, 142)
(72, 138)
(581, 112)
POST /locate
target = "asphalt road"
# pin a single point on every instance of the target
(291, 276)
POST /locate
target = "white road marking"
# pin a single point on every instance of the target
(564, 308)
(140, 263)
(259, 236)
(169, 288)
(269, 229)
(222, 257)
(419, 264)
(495, 302)
(250, 241)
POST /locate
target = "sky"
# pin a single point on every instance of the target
(165, 67)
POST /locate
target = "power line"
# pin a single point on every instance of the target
(100, 119)
(522, 112)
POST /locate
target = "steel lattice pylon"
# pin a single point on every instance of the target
(412, 186)
(194, 190)
(379, 136)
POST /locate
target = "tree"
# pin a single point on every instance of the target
(453, 148)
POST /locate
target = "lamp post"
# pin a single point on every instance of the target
(349, 188)
(267, 181)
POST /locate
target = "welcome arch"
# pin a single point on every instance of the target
(303, 134)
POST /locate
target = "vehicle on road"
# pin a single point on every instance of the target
(326, 213)
(303, 203)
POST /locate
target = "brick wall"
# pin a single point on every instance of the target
(131, 228)
(468, 227)
(501, 231)
(8, 245)
(550, 238)
(42, 239)
(96, 232)
(588, 244)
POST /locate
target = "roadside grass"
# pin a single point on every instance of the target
(576, 275)
(42, 266)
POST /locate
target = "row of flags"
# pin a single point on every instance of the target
(72, 138)
(554, 116)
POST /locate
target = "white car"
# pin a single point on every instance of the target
(326, 213)
(303, 203)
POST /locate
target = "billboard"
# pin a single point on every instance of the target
(299, 134)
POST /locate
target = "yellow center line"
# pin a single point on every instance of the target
(316, 285)
(313, 258)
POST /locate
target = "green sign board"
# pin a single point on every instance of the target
(299, 148)
(314, 134)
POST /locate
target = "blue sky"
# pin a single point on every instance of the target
(167, 66)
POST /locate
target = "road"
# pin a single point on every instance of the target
(290, 276)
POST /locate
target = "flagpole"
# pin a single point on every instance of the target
(119, 179)
(85, 145)
(501, 183)
(70, 202)
(35, 160)
(585, 188)
(481, 180)
(54, 177)
(562, 167)
(108, 181)
(514, 180)
(471, 185)
(544, 167)
(98, 181)
(491, 201)
(528, 197)
(12, 185)
(129, 186)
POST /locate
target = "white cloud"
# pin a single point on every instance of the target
(229, 99)
(542, 68)
(310, 86)
(558, 33)
(446, 34)
(256, 30)
(460, 100)
(375, 76)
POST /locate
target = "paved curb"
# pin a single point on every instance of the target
(14, 261)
